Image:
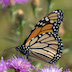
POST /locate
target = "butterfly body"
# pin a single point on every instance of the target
(44, 42)
(23, 49)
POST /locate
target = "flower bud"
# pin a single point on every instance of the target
(61, 30)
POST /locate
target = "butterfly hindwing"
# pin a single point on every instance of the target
(46, 46)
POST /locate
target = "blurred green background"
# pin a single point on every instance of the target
(8, 39)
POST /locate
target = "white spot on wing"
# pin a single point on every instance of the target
(37, 27)
(46, 19)
(38, 23)
(41, 23)
(39, 35)
(32, 38)
(55, 11)
(55, 24)
(42, 19)
(43, 33)
(54, 27)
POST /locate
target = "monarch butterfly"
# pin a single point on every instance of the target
(44, 42)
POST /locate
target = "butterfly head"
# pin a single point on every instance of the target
(23, 49)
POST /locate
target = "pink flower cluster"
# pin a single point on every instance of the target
(3, 67)
(53, 69)
(23, 65)
(16, 63)
(6, 3)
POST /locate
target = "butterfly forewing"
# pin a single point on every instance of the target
(49, 23)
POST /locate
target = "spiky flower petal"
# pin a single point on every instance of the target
(51, 69)
(3, 67)
(19, 64)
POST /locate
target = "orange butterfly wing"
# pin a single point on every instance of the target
(49, 23)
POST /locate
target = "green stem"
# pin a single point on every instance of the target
(49, 3)
(21, 30)
(12, 19)
(11, 15)
(34, 10)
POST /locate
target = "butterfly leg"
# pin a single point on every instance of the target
(27, 57)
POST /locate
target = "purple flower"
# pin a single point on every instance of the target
(67, 70)
(51, 69)
(6, 3)
(20, 64)
(21, 1)
(35, 68)
(3, 67)
(23, 65)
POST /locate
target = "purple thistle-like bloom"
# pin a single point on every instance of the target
(3, 67)
(67, 70)
(51, 69)
(6, 3)
(35, 68)
(21, 1)
(20, 64)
